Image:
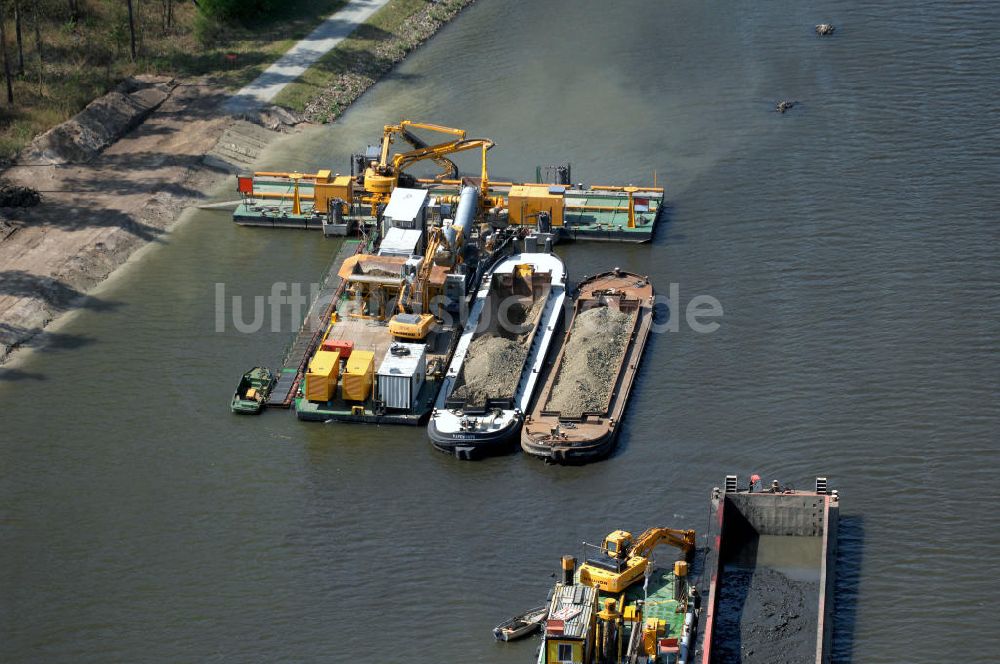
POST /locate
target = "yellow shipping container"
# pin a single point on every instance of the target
(358, 375)
(525, 201)
(321, 379)
(329, 188)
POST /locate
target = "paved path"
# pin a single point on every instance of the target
(303, 55)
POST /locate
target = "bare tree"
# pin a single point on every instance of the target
(38, 32)
(131, 28)
(6, 62)
(17, 37)
(38, 45)
(74, 10)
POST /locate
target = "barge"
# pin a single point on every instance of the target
(579, 410)
(341, 204)
(496, 364)
(359, 371)
(391, 328)
(771, 564)
(618, 617)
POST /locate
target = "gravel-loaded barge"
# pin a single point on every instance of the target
(771, 565)
(496, 364)
(578, 412)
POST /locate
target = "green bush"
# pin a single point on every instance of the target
(236, 9)
(208, 30)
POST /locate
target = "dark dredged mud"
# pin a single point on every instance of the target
(765, 617)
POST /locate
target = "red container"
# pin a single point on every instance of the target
(244, 185)
(345, 347)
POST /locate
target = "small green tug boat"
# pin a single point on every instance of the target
(253, 390)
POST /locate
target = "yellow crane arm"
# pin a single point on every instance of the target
(389, 132)
(403, 160)
(682, 539)
(441, 129)
(433, 242)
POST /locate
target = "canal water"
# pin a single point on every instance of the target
(852, 242)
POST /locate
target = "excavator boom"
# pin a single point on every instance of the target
(401, 161)
(382, 177)
(682, 539)
(620, 569)
(449, 169)
(403, 129)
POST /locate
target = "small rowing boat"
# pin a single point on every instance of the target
(521, 626)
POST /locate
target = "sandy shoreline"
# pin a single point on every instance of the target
(94, 216)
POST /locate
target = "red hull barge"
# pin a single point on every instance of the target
(771, 563)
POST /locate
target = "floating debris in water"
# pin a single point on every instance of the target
(785, 105)
(825, 29)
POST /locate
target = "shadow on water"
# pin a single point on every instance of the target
(56, 298)
(632, 416)
(663, 232)
(16, 375)
(54, 293)
(16, 336)
(850, 557)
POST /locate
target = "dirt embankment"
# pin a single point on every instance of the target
(587, 373)
(112, 179)
(119, 174)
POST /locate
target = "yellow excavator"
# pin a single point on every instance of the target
(413, 295)
(382, 176)
(623, 562)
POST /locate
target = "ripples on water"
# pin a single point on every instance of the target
(852, 241)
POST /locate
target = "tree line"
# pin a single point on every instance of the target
(27, 17)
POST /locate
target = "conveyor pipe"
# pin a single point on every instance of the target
(464, 215)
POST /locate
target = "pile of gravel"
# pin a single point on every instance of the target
(493, 363)
(102, 122)
(587, 374)
(765, 616)
(492, 368)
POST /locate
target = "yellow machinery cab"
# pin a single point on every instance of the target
(623, 560)
(413, 327)
(618, 542)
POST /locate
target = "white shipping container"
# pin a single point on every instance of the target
(406, 208)
(401, 375)
(400, 242)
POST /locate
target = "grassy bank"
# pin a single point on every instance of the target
(329, 86)
(83, 57)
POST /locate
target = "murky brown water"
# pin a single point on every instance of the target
(852, 242)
